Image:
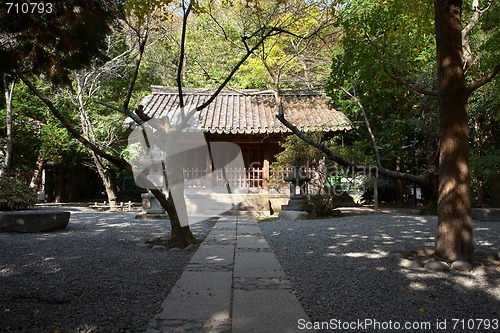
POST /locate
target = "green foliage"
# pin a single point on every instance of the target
(217, 32)
(15, 195)
(52, 42)
(294, 147)
(27, 112)
(326, 204)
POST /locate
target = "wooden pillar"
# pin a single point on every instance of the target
(265, 163)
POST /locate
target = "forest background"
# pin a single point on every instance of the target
(375, 59)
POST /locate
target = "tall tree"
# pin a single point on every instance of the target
(6, 164)
(454, 236)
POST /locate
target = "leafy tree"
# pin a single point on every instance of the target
(250, 38)
(54, 41)
(395, 56)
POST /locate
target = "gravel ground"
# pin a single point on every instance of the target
(343, 271)
(94, 276)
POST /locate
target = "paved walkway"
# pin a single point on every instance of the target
(233, 283)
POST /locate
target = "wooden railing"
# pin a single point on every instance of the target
(199, 178)
(221, 178)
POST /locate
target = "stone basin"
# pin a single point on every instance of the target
(33, 221)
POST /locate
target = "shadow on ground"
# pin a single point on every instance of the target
(343, 271)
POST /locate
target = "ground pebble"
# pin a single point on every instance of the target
(462, 265)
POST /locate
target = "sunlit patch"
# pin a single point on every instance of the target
(214, 258)
(378, 255)
(6, 271)
(418, 286)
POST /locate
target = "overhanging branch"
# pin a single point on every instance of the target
(331, 155)
(481, 82)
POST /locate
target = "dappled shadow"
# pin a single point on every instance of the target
(343, 269)
(93, 276)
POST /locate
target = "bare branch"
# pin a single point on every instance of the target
(235, 69)
(182, 54)
(367, 122)
(131, 86)
(126, 112)
(467, 52)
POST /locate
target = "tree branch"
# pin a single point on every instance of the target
(393, 73)
(182, 55)
(76, 134)
(331, 155)
(367, 122)
(131, 86)
(132, 115)
(481, 82)
(467, 52)
(235, 69)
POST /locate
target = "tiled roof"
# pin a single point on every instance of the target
(249, 111)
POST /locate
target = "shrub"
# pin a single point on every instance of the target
(326, 204)
(15, 195)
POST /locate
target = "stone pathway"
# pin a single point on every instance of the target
(233, 283)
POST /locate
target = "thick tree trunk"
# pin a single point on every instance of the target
(454, 237)
(181, 235)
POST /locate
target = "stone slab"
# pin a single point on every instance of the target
(33, 221)
(293, 215)
(251, 241)
(199, 296)
(221, 235)
(266, 311)
(214, 254)
(226, 225)
(257, 264)
(249, 229)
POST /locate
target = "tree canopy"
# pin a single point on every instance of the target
(68, 35)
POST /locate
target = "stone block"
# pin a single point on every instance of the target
(199, 296)
(293, 215)
(266, 311)
(33, 221)
(260, 264)
(462, 265)
(437, 266)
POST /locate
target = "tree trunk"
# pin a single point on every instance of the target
(108, 178)
(36, 180)
(60, 184)
(5, 167)
(182, 236)
(454, 236)
(431, 191)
